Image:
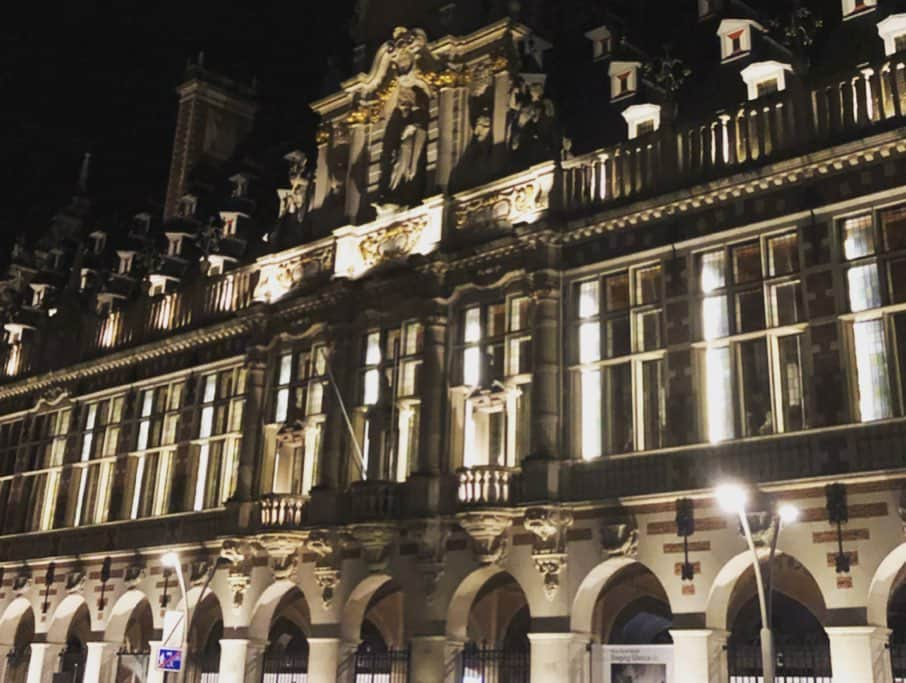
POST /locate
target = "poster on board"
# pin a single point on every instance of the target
(632, 664)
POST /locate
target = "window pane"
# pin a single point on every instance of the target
(755, 386)
(471, 370)
(790, 353)
(286, 369)
(496, 320)
(520, 356)
(315, 398)
(715, 322)
(746, 263)
(371, 387)
(591, 414)
(712, 272)
(893, 222)
(871, 368)
(897, 273)
(750, 311)
(648, 330)
(589, 342)
(619, 408)
(413, 343)
(864, 287)
(472, 325)
(654, 417)
(648, 285)
(519, 313)
(210, 388)
(589, 304)
(618, 337)
(858, 237)
(280, 414)
(783, 254)
(785, 303)
(719, 395)
(373, 348)
(617, 292)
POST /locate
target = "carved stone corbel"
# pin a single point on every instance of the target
(488, 532)
(75, 580)
(23, 581)
(549, 526)
(135, 572)
(375, 541)
(241, 557)
(282, 553)
(430, 561)
(198, 571)
(326, 572)
(328, 579)
(620, 538)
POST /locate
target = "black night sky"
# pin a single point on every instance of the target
(99, 76)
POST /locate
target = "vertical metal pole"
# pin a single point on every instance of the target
(767, 637)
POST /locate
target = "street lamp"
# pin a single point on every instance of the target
(171, 561)
(733, 499)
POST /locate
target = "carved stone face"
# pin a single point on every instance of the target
(404, 49)
(482, 128)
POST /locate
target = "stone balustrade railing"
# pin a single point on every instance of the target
(284, 512)
(486, 486)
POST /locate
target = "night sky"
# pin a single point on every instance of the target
(100, 77)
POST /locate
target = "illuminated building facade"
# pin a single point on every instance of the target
(453, 407)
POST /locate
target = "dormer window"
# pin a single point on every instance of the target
(38, 294)
(230, 221)
(106, 303)
(893, 32)
(98, 241)
(642, 119)
(601, 42)
(125, 262)
(187, 206)
(765, 78)
(157, 285)
(174, 243)
(14, 333)
(623, 79)
(240, 183)
(141, 223)
(85, 277)
(854, 8)
(736, 38)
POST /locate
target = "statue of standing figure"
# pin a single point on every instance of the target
(530, 125)
(407, 157)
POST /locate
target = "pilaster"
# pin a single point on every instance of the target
(700, 656)
(240, 660)
(43, 663)
(323, 659)
(101, 662)
(546, 371)
(427, 659)
(859, 654)
(552, 658)
(433, 393)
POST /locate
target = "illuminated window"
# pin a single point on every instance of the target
(45, 455)
(389, 413)
(623, 79)
(221, 403)
(621, 353)
(751, 324)
(98, 447)
(151, 464)
(126, 258)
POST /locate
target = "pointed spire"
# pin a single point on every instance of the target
(83, 173)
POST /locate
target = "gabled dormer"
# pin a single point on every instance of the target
(856, 8)
(98, 241)
(126, 260)
(601, 42)
(765, 78)
(893, 32)
(231, 221)
(176, 242)
(187, 206)
(737, 38)
(642, 119)
(40, 293)
(624, 79)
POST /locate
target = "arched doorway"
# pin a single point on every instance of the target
(135, 651)
(286, 657)
(800, 643)
(204, 641)
(17, 658)
(75, 653)
(383, 655)
(633, 609)
(498, 625)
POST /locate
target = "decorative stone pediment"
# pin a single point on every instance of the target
(393, 236)
(512, 201)
(280, 273)
(488, 531)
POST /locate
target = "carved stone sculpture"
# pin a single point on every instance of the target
(488, 532)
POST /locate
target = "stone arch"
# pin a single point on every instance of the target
(357, 604)
(269, 603)
(205, 631)
(12, 617)
(122, 612)
(582, 613)
(63, 617)
(724, 594)
(883, 583)
(465, 596)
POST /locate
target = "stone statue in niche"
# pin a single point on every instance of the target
(477, 163)
(405, 144)
(530, 124)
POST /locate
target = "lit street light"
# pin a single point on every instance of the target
(733, 499)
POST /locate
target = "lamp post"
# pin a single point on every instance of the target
(733, 498)
(171, 560)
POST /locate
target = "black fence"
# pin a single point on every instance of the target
(484, 664)
(285, 669)
(390, 666)
(898, 659)
(802, 662)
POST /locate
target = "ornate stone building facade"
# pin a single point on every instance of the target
(456, 410)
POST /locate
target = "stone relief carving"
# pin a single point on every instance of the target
(326, 571)
(76, 580)
(530, 124)
(488, 532)
(276, 279)
(135, 572)
(23, 581)
(241, 557)
(620, 539)
(376, 541)
(394, 242)
(510, 206)
(549, 526)
(283, 554)
(294, 199)
(431, 538)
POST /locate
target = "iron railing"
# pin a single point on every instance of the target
(804, 661)
(388, 666)
(488, 664)
(292, 668)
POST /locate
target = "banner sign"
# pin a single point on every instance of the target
(632, 664)
(169, 659)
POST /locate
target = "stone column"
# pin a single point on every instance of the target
(452, 661)
(859, 654)
(427, 660)
(45, 658)
(240, 660)
(551, 657)
(323, 659)
(433, 395)
(546, 373)
(699, 656)
(252, 428)
(101, 662)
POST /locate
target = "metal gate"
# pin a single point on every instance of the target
(285, 669)
(484, 664)
(898, 659)
(385, 666)
(803, 661)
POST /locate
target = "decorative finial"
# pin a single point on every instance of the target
(83, 173)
